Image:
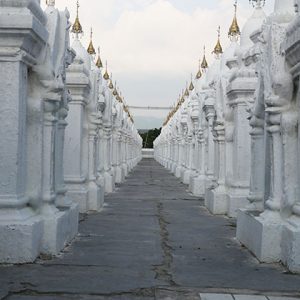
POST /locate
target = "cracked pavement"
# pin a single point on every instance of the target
(153, 240)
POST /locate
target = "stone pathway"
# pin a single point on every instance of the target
(241, 297)
(153, 240)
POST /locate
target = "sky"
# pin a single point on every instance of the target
(153, 46)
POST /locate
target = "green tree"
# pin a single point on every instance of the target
(149, 137)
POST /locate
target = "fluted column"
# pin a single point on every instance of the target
(257, 181)
(210, 114)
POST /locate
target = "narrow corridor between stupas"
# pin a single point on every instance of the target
(150, 150)
(153, 240)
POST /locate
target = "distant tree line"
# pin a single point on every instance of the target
(149, 137)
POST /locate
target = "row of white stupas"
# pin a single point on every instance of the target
(66, 135)
(234, 135)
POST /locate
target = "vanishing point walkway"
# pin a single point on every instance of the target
(153, 240)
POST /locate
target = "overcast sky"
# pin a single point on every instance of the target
(152, 46)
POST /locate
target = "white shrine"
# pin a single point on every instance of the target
(66, 136)
(233, 137)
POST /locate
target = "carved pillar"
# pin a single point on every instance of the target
(195, 155)
(215, 198)
(176, 159)
(119, 173)
(95, 192)
(220, 131)
(124, 165)
(48, 191)
(76, 135)
(108, 177)
(179, 164)
(60, 187)
(240, 93)
(257, 180)
(100, 151)
(210, 115)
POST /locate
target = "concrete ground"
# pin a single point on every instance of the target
(153, 240)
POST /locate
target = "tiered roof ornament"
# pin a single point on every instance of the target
(178, 102)
(204, 64)
(191, 87)
(111, 86)
(258, 3)
(106, 76)
(186, 93)
(115, 91)
(218, 50)
(91, 49)
(50, 2)
(234, 30)
(99, 61)
(199, 73)
(76, 28)
(119, 97)
(182, 100)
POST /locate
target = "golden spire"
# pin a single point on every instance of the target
(99, 61)
(199, 73)
(178, 102)
(204, 64)
(77, 28)
(118, 97)
(182, 97)
(186, 93)
(91, 49)
(50, 2)
(259, 3)
(234, 30)
(191, 88)
(106, 76)
(111, 86)
(218, 48)
(115, 92)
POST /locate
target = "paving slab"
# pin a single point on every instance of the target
(215, 297)
(249, 297)
(71, 297)
(281, 298)
(153, 240)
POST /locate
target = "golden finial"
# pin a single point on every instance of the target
(106, 76)
(115, 92)
(199, 73)
(91, 49)
(259, 3)
(182, 97)
(204, 64)
(99, 61)
(234, 30)
(77, 28)
(50, 2)
(186, 93)
(218, 48)
(191, 88)
(111, 86)
(178, 102)
(119, 98)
